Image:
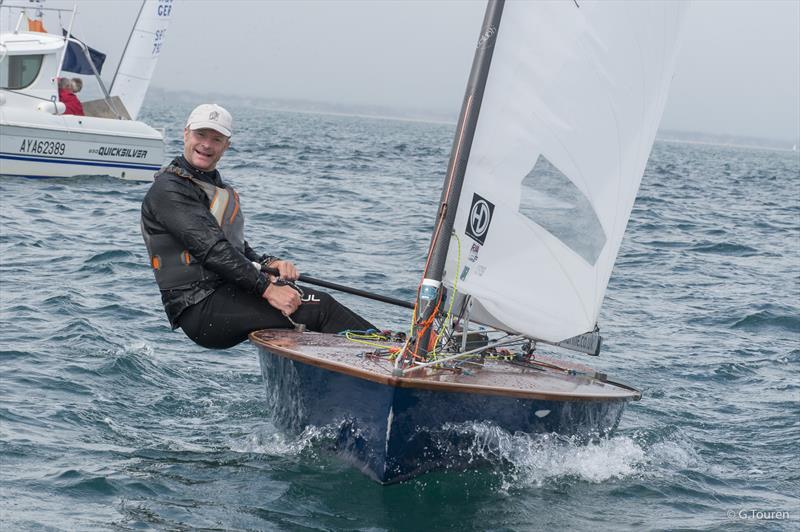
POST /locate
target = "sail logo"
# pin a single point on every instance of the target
(480, 216)
(490, 32)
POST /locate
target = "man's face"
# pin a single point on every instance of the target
(203, 148)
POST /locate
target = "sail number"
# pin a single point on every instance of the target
(158, 40)
(164, 8)
(43, 147)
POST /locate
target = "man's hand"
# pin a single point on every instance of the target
(287, 270)
(284, 298)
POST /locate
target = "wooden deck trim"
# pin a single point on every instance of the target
(423, 384)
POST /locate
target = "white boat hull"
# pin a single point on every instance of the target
(70, 146)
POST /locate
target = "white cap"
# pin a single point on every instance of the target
(211, 116)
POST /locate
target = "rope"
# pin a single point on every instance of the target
(423, 327)
(365, 338)
(506, 341)
(452, 298)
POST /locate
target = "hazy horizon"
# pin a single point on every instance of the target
(434, 116)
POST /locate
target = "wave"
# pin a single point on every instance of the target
(666, 244)
(137, 363)
(110, 256)
(78, 483)
(726, 248)
(245, 165)
(77, 330)
(766, 319)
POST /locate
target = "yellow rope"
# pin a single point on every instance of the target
(364, 339)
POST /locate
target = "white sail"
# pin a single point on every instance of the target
(141, 54)
(574, 96)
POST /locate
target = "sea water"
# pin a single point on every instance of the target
(110, 420)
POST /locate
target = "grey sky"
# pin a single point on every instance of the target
(739, 70)
(738, 73)
(382, 53)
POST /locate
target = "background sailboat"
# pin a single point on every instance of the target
(139, 58)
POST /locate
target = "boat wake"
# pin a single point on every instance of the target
(271, 441)
(550, 461)
(519, 460)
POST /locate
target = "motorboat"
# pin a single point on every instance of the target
(39, 139)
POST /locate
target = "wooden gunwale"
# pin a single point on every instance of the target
(425, 384)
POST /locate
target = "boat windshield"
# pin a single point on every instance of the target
(19, 71)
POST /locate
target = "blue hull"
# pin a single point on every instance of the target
(393, 433)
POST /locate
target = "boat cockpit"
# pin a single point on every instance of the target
(31, 63)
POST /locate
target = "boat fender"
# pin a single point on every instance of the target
(54, 108)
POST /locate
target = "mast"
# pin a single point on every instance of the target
(430, 287)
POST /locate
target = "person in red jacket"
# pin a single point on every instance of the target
(68, 98)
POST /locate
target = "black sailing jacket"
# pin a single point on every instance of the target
(177, 206)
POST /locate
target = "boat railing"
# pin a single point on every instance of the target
(87, 55)
(44, 103)
(24, 7)
(68, 38)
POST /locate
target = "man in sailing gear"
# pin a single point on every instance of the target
(210, 279)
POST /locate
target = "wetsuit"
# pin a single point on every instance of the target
(209, 285)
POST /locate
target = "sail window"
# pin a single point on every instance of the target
(553, 202)
(19, 71)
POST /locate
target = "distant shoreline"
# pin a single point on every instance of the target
(359, 115)
(430, 116)
(721, 143)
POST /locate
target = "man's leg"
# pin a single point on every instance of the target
(227, 316)
(321, 312)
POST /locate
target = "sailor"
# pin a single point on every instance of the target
(209, 276)
(77, 85)
(66, 95)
